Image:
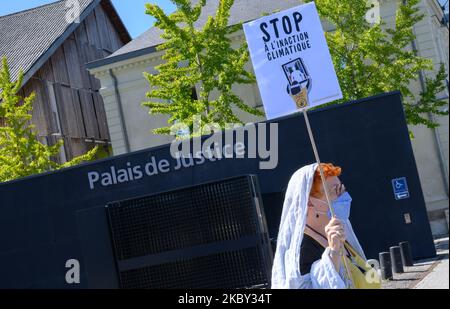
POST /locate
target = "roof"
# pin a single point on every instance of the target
(28, 38)
(241, 11)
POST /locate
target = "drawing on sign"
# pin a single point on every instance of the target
(299, 81)
(400, 187)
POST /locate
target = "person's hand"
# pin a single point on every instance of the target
(335, 234)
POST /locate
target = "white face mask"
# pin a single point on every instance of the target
(341, 207)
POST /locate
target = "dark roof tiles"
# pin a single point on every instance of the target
(25, 36)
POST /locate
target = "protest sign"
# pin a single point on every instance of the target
(291, 60)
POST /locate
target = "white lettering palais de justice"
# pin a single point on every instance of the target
(132, 172)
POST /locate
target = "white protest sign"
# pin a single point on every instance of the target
(291, 60)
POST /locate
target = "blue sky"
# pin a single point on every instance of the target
(132, 12)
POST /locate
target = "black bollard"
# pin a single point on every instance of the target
(405, 250)
(386, 266)
(396, 260)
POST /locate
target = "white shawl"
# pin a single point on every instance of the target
(286, 271)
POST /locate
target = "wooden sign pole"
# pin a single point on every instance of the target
(322, 176)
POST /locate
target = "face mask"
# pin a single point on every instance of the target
(341, 206)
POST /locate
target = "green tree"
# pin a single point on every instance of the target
(202, 57)
(21, 153)
(372, 58)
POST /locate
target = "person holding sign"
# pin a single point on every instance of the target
(317, 247)
(312, 244)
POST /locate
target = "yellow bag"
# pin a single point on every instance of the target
(364, 276)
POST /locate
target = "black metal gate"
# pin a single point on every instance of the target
(207, 236)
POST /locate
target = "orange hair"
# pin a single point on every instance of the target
(329, 170)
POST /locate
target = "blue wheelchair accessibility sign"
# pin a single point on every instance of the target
(400, 187)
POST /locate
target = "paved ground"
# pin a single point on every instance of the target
(426, 274)
(438, 277)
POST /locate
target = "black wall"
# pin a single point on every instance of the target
(46, 220)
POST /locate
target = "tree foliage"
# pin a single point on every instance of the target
(372, 58)
(21, 153)
(201, 56)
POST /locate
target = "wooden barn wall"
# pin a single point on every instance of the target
(68, 104)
